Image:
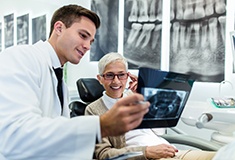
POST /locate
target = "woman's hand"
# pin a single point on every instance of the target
(133, 83)
(160, 151)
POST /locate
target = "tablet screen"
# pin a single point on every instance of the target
(167, 93)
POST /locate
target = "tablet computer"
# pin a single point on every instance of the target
(167, 93)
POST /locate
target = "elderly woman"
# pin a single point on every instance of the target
(113, 75)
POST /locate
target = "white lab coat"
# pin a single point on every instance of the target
(31, 125)
(226, 152)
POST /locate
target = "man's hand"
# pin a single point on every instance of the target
(126, 114)
(160, 151)
(133, 83)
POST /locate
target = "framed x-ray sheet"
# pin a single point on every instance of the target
(232, 39)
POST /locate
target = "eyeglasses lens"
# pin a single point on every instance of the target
(111, 76)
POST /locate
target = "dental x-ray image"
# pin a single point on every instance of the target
(9, 30)
(23, 29)
(39, 29)
(164, 103)
(197, 38)
(232, 39)
(106, 38)
(142, 33)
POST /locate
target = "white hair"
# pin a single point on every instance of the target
(109, 58)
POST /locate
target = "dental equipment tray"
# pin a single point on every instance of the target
(223, 102)
(167, 93)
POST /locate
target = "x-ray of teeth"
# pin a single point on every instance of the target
(197, 38)
(23, 29)
(9, 30)
(106, 38)
(38, 28)
(142, 33)
(164, 103)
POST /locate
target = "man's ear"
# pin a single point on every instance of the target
(58, 27)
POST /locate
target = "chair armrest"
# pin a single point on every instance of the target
(191, 141)
(77, 108)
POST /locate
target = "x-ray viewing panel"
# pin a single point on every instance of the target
(167, 93)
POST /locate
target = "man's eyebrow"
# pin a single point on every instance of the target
(83, 30)
(87, 33)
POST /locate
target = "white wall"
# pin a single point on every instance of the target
(35, 8)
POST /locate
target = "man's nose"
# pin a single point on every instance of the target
(87, 45)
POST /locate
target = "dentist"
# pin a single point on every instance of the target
(34, 123)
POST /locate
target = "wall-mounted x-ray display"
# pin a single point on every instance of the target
(9, 30)
(106, 38)
(197, 38)
(193, 33)
(23, 29)
(232, 39)
(39, 29)
(142, 33)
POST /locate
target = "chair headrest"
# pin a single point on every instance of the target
(89, 89)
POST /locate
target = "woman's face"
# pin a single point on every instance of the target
(114, 87)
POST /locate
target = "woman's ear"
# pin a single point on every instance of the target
(99, 79)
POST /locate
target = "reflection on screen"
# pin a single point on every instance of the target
(165, 103)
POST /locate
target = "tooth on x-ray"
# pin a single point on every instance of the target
(135, 29)
(134, 12)
(196, 27)
(152, 11)
(159, 10)
(199, 11)
(220, 7)
(209, 10)
(182, 36)
(188, 36)
(172, 16)
(146, 34)
(204, 38)
(175, 37)
(156, 35)
(188, 12)
(143, 11)
(213, 33)
(179, 12)
(222, 20)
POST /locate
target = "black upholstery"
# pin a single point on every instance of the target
(77, 108)
(89, 90)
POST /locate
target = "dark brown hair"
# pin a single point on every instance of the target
(71, 13)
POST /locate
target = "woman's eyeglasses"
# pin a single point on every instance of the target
(111, 76)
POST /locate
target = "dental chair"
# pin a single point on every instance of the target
(90, 89)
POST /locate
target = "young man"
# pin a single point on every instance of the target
(113, 75)
(34, 123)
